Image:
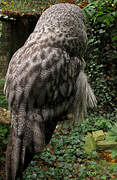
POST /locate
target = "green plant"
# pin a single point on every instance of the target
(4, 132)
(25, 5)
(64, 158)
(101, 11)
(3, 100)
(112, 136)
(0, 29)
(102, 52)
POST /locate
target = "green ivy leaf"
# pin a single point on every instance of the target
(114, 38)
(115, 2)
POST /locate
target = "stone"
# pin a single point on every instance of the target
(4, 116)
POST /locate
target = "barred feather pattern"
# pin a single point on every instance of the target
(45, 81)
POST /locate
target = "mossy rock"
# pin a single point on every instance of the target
(4, 116)
(96, 141)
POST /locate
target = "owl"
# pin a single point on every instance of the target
(44, 82)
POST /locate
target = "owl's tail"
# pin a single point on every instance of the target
(17, 157)
(84, 97)
(12, 156)
(20, 151)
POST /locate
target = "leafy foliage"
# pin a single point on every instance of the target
(3, 100)
(3, 136)
(101, 11)
(65, 159)
(4, 132)
(26, 5)
(0, 29)
(4, 129)
(112, 136)
(102, 52)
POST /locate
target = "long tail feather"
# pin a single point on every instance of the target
(21, 149)
(13, 157)
(84, 97)
(17, 157)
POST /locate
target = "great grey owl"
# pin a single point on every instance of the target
(44, 82)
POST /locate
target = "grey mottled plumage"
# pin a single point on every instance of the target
(45, 81)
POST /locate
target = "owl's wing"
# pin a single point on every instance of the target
(32, 85)
(37, 76)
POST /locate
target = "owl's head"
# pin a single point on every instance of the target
(64, 22)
